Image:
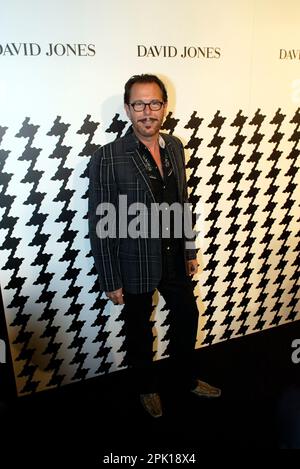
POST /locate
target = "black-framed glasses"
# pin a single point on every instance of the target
(140, 106)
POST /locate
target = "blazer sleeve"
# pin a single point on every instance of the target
(189, 233)
(103, 205)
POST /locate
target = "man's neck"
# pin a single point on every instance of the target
(151, 143)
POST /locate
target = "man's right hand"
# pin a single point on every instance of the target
(116, 296)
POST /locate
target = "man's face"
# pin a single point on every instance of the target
(146, 123)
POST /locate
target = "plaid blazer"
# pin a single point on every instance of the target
(118, 169)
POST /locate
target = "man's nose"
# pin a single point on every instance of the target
(147, 110)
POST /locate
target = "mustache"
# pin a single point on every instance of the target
(147, 119)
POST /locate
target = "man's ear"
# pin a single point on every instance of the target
(165, 108)
(127, 110)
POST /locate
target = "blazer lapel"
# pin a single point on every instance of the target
(178, 176)
(142, 171)
(132, 150)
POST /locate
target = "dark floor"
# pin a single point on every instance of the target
(259, 408)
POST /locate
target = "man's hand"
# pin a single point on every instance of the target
(116, 296)
(192, 266)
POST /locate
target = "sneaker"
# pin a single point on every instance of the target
(204, 389)
(152, 404)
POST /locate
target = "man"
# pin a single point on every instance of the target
(134, 182)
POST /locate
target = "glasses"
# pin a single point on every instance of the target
(140, 106)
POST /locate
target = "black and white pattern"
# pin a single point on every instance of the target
(242, 177)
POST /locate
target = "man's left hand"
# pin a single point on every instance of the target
(192, 266)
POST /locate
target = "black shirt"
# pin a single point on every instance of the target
(164, 189)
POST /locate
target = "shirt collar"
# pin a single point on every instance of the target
(161, 140)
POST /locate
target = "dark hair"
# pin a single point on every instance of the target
(144, 78)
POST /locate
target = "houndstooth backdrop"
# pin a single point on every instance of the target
(244, 189)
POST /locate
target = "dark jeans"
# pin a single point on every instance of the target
(176, 288)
